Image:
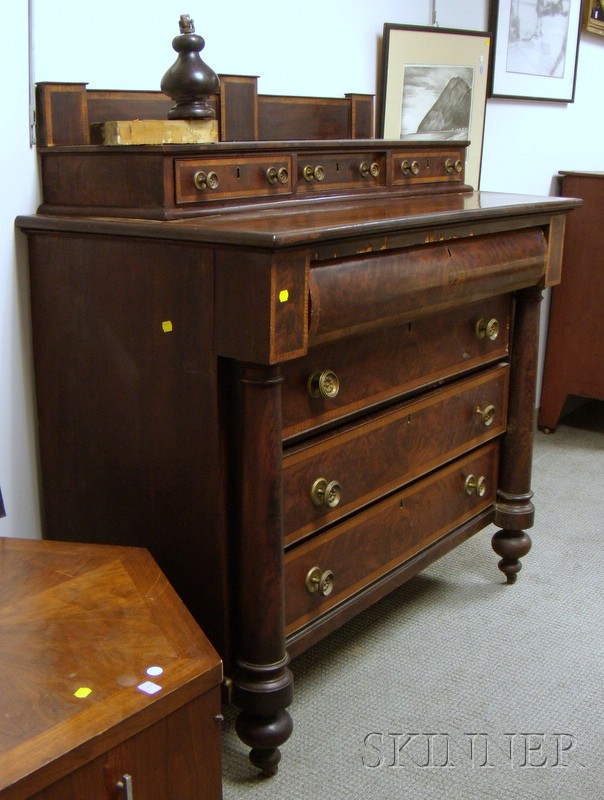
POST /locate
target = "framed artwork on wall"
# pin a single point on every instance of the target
(434, 87)
(535, 48)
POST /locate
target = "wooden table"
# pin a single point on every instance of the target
(109, 688)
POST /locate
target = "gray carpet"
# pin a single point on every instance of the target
(456, 685)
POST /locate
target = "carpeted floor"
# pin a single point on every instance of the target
(457, 686)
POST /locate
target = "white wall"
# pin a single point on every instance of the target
(319, 47)
(18, 194)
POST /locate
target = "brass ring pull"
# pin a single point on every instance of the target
(409, 167)
(321, 582)
(324, 493)
(311, 173)
(453, 166)
(487, 415)
(474, 485)
(200, 179)
(324, 384)
(274, 175)
(368, 170)
(487, 329)
(205, 181)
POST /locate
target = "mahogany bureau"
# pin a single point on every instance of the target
(575, 336)
(298, 370)
(109, 689)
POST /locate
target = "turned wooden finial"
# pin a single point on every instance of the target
(189, 80)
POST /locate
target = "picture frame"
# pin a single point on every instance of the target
(426, 70)
(593, 17)
(535, 48)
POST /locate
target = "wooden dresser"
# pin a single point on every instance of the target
(575, 339)
(297, 369)
(109, 689)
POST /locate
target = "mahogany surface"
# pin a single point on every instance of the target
(174, 359)
(575, 338)
(81, 616)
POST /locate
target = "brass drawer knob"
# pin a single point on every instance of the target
(409, 167)
(274, 175)
(324, 493)
(477, 486)
(487, 415)
(368, 170)
(324, 384)
(311, 173)
(203, 180)
(453, 165)
(321, 582)
(487, 329)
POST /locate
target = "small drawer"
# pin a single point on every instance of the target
(341, 378)
(320, 172)
(206, 180)
(334, 475)
(327, 570)
(410, 168)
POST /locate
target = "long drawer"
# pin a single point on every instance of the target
(340, 378)
(346, 559)
(351, 296)
(334, 475)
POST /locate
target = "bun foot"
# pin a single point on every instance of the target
(511, 546)
(264, 735)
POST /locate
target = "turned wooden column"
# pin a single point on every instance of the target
(263, 683)
(514, 509)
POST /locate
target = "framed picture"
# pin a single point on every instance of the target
(593, 16)
(535, 48)
(434, 87)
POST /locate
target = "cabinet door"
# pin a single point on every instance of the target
(179, 756)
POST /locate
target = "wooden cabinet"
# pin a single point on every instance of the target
(110, 690)
(296, 403)
(575, 339)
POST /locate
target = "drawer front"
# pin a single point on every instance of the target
(323, 171)
(327, 478)
(409, 168)
(376, 541)
(356, 553)
(205, 180)
(357, 295)
(149, 763)
(375, 368)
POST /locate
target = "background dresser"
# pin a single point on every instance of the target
(109, 688)
(575, 338)
(298, 370)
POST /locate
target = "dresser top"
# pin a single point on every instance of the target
(320, 220)
(96, 645)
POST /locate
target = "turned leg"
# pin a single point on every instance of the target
(514, 510)
(511, 546)
(262, 684)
